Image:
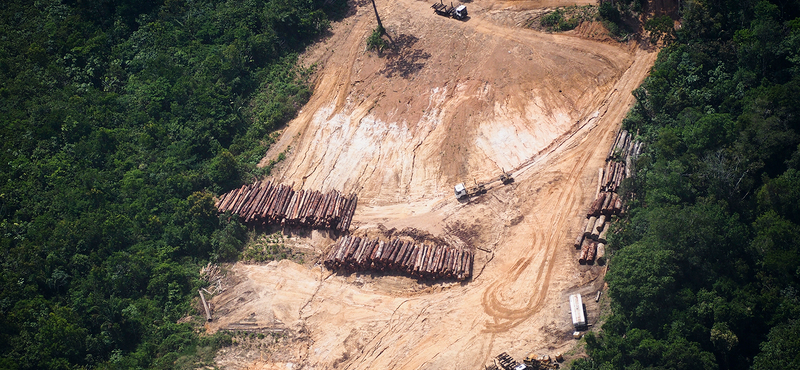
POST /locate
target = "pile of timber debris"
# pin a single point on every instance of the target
(270, 203)
(619, 165)
(426, 261)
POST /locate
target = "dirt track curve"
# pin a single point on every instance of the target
(457, 101)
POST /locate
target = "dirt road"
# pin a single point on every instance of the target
(458, 101)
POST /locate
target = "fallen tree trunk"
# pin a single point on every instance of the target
(597, 205)
(591, 252)
(205, 306)
(587, 230)
(601, 253)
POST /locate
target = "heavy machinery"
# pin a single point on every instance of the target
(506, 362)
(539, 362)
(458, 12)
(462, 192)
(505, 178)
(532, 362)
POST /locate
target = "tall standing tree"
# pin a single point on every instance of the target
(380, 25)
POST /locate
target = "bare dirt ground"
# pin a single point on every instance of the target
(456, 101)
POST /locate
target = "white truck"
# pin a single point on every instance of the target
(463, 193)
(461, 190)
(457, 12)
(578, 314)
(480, 188)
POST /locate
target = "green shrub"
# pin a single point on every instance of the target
(376, 41)
(567, 25)
(553, 19)
(612, 27)
(567, 18)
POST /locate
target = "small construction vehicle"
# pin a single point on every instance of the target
(506, 178)
(539, 362)
(458, 12)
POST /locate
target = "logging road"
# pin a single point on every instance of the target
(455, 101)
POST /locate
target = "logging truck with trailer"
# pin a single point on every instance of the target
(456, 12)
(462, 192)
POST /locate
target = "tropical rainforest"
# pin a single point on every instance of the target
(706, 269)
(119, 121)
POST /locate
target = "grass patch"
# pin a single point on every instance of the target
(564, 19)
(270, 247)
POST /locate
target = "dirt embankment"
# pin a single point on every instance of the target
(455, 101)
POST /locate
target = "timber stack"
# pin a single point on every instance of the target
(419, 260)
(268, 203)
(619, 161)
(591, 240)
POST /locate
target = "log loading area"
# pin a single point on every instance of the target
(266, 203)
(591, 241)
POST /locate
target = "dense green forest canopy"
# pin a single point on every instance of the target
(706, 273)
(119, 121)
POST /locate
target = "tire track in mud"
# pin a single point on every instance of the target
(409, 338)
(506, 316)
(407, 342)
(410, 346)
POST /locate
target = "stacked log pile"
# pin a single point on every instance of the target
(270, 203)
(619, 165)
(423, 260)
(619, 161)
(588, 252)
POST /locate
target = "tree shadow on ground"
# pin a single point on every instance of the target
(402, 59)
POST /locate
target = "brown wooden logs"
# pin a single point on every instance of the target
(602, 237)
(265, 202)
(578, 241)
(600, 224)
(599, 181)
(584, 251)
(424, 260)
(606, 202)
(591, 252)
(594, 209)
(601, 253)
(587, 230)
